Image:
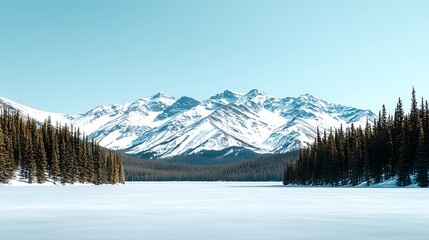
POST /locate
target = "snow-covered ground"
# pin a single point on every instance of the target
(215, 210)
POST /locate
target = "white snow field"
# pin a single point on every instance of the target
(213, 210)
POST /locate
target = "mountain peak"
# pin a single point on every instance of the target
(307, 97)
(161, 95)
(310, 101)
(227, 94)
(157, 102)
(181, 105)
(254, 93)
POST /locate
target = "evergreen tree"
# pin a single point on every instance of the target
(17, 152)
(30, 162)
(3, 159)
(109, 167)
(404, 157)
(355, 159)
(116, 168)
(318, 161)
(40, 160)
(425, 120)
(366, 156)
(414, 127)
(121, 178)
(397, 134)
(332, 164)
(7, 165)
(422, 162)
(340, 151)
(54, 170)
(80, 157)
(63, 158)
(70, 169)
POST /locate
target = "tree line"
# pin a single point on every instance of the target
(392, 147)
(40, 152)
(264, 168)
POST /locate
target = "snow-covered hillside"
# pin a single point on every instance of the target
(161, 126)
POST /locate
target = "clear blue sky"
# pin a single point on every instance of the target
(70, 56)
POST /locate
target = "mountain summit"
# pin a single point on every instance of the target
(161, 126)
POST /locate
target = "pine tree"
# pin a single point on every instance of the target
(3, 159)
(340, 150)
(103, 166)
(63, 158)
(100, 164)
(9, 163)
(397, 132)
(422, 162)
(40, 160)
(30, 162)
(116, 168)
(16, 146)
(426, 126)
(69, 156)
(404, 158)
(121, 170)
(355, 158)
(332, 164)
(54, 170)
(366, 163)
(318, 161)
(87, 169)
(80, 157)
(414, 126)
(23, 146)
(47, 145)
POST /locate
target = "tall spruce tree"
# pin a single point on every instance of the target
(30, 165)
(405, 153)
(340, 151)
(3, 159)
(54, 170)
(89, 170)
(332, 164)
(397, 132)
(414, 126)
(355, 156)
(7, 164)
(40, 159)
(366, 154)
(422, 158)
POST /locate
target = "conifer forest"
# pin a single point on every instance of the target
(393, 147)
(263, 168)
(61, 154)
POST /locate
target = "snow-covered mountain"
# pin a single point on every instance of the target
(161, 126)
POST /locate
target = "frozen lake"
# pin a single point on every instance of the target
(216, 210)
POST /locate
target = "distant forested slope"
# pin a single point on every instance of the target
(266, 168)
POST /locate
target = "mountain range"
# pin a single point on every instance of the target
(226, 124)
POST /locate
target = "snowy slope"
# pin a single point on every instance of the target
(37, 115)
(161, 126)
